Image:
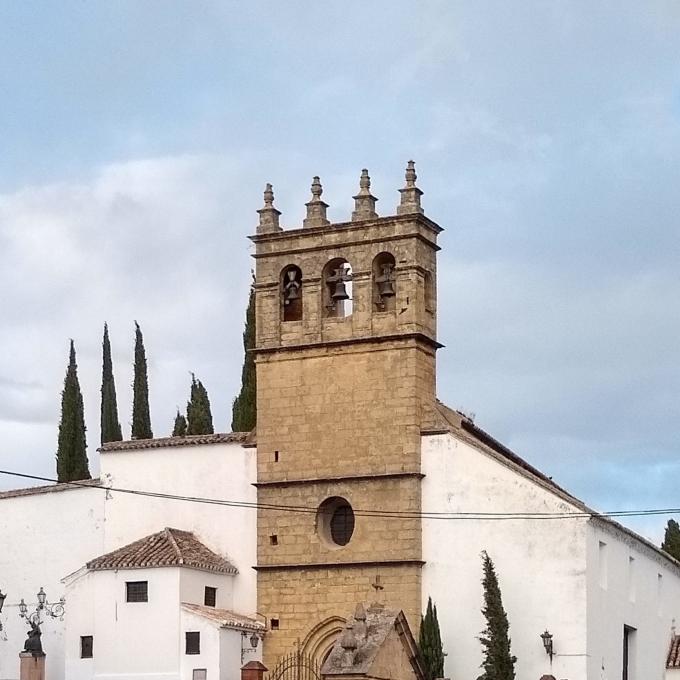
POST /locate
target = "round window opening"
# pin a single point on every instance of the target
(335, 521)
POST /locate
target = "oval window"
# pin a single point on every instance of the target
(335, 521)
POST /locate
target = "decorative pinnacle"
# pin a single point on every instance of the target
(410, 194)
(316, 208)
(269, 215)
(364, 201)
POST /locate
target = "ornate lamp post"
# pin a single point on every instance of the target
(54, 610)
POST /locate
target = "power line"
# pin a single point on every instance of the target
(389, 514)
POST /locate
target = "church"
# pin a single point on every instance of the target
(191, 556)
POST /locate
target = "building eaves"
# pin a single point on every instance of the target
(224, 617)
(49, 488)
(189, 440)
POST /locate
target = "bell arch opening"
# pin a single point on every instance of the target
(291, 293)
(337, 288)
(384, 283)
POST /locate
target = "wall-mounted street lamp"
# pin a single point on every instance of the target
(254, 640)
(2, 602)
(548, 644)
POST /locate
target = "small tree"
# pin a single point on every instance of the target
(180, 428)
(499, 663)
(110, 426)
(72, 464)
(199, 415)
(671, 539)
(430, 643)
(244, 410)
(141, 418)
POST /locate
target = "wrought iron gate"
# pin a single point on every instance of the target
(295, 666)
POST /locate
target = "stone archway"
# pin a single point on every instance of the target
(318, 642)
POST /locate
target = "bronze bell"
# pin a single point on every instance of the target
(340, 292)
(292, 288)
(386, 289)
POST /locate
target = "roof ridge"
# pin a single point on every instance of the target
(168, 533)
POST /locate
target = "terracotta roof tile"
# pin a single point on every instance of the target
(167, 548)
(224, 617)
(49, 488)
(673, 658)
(189, 440)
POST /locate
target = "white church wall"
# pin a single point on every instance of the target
(194, 581)
(541, 564)
(130, 639)
(222, 471)
(45, 536)
(629, 584)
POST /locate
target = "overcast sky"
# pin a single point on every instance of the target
(136, 139)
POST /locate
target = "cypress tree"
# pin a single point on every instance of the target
(141, 419)
(430, 643)
(199, 415)
(499, 663)
(244, 410)
(72, 464)
(110, 425)
(180, 428)
(671, 539)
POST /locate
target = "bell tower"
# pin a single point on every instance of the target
(345, 354)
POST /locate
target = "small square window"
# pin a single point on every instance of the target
(137, 591)
(210, 597)
(193, 643)
(86, 646)
(274, 624)
(273, 539)
(276, 456)
(200, 674)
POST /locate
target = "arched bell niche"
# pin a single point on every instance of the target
(384, 283)
(337, 288)
(291, 293)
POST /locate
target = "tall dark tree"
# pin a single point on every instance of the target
(499, 663)
(671, 539)
(72, 462)
(430, 643)
(199, 415)
(141, 418)
(109, 423)
(244, 411)
(180, 428)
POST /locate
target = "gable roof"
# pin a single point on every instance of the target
(224, 617)
(167, 548)
(443, 420)
(357, 647)
(673, 658)
(188, 440)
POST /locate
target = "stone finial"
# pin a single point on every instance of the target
(364, 201)
(316, 208)
(410, 194)
(360, 628)
(360, 612)
(269, 215)
(348, 642)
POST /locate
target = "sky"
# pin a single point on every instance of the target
(136, 139)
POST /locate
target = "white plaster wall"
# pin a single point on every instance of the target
(44, 537)
(222, 471)
(194, 581)
(230, 653)
(134, 639)
(81, 597)
(209, 658)
(637, 597)
(541, 564)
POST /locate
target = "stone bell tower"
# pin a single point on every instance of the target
(346, 342)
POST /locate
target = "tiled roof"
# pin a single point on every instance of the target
(673, 658)
(167, 548)
(224, 617)
(189, 440)
(50, 488)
